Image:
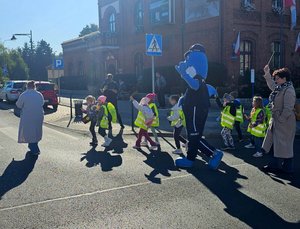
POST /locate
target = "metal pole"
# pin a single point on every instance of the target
(153, 75)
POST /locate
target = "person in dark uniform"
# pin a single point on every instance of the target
(110, 90)
(195, 104)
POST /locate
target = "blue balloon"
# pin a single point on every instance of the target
(211, 90)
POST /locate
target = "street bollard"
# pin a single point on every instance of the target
(78, 108)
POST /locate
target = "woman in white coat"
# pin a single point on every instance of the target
(32, 116)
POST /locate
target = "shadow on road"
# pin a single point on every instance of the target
(16, 173)
(223, 184)
(117, 145)
(103, 158)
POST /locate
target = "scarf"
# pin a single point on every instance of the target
(277, 89)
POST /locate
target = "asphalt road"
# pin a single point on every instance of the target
(71, 185)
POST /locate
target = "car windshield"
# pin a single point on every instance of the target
(45, 87)
(19, 85)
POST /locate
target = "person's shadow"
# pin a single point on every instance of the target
(117, 145)
(103, 158)
(161, 162)
(223, 184)
(16, 173)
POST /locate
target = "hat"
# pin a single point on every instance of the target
(151, 96)
(102, 98)
(228, 97)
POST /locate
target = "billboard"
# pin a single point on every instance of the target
(201, 9)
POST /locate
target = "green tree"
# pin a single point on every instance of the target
(88, 29)
(17, 67)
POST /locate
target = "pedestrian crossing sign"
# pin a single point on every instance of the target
(153, 44)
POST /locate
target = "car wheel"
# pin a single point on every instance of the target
(55, 107)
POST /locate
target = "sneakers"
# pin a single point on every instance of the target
(215, 161)
(228, 148)
(107, 142)
(258, 154)
(153, 147)
(183, 162)
(249, 146)
(144, 143)
(177, 151)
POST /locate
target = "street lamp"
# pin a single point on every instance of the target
(24, 34)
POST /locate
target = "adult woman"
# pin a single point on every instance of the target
(282, 128)
(32, 116)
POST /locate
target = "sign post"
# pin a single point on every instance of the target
(153, 48)
(252, 80)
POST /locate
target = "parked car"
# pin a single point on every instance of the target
(12, 90)
(49, 93)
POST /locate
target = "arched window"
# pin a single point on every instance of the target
(139, 15)
(277, 60)
(112, 23)
(246, 56)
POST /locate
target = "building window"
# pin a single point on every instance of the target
(277, 6)
(246, 54)
(162, 11)
(277, 60)
(248, 5)
(139, 15)
(112, 23)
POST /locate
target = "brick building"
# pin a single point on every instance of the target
(119, 46)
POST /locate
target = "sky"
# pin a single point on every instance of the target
(54, 21)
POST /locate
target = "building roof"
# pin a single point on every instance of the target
(81, 39)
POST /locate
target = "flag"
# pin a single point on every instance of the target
(297, 48)
(237, 45)
(292, 5)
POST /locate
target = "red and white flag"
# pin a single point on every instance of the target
(237, 45)
(292, 5)
(297, 48)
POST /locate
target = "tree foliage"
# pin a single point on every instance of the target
(88, 29)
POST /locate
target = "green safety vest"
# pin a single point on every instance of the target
(239, 114)
(181, 118)
(227, 119)
(140, 121)
(112, 110)
(104, 121)
(260, 130)
(268, 113)
(155, 122)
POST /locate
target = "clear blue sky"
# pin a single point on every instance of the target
(54, 21)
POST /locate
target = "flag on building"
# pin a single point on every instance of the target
(297, 48)
(292, 5)
(237, 45)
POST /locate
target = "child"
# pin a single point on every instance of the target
(177, 120)
(257, 126)
(239, 118)
(92, 114)
(103, 120)
(144, 120)
(227, 121)
(152, 105)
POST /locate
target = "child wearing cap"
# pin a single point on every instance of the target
(228, 117)
(103, 120)
(144, 120)
(155, 123)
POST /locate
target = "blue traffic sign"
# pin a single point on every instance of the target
(153, 44)
(58, 63)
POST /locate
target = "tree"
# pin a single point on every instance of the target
(17, 67)
(88, 29)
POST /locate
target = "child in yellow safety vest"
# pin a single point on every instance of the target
(228, 117)
(177, 120)
(257, 126)
(144, 120)
(155, 123)
(105, 109)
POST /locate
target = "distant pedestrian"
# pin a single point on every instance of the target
(282, 129)
(32, 116)
(110, 89)
(160, 85)
(92, 117)
(177, 120)
(257, 126)
(239, 118)
(144, 120)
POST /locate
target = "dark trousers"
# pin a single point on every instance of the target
(177, 137)
(286, 164)
(102, 132)
(92, 130)
(161, 98)
(144, 133)
(195, 122)
(237, 126)
(34, 148)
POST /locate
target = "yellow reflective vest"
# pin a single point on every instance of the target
(260, 130)
(239, 114)
(268, 113)
(140, 121)
(227, 119)
(180, 119)
(112, 110)
(155, 122)
(104, 121)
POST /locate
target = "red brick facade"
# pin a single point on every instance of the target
(119, 47)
